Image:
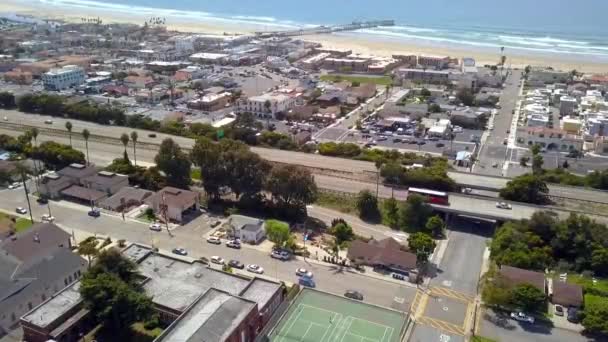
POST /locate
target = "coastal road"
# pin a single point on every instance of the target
(191, 237)
(106, 151)
(493, 151)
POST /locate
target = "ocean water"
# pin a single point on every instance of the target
(565, 27)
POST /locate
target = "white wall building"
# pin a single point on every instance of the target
(256, 104)
(63, 78)
(185, 43)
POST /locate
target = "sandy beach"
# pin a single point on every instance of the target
(356, 44)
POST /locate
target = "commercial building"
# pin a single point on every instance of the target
(387, 253)
(279, 103)
(190, 73)
(175, 201)
(567, 105)
(554, 139)
(63, 78)
(35, 264)
(197, 302)
(571, 125)
(210, 102)
(436, 62)
(424, 76)
(209, 58)
(315, 61)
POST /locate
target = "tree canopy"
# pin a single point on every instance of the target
(278, 232)
(174, 163)
(414, 213)
(422, 245)
(526, 188)
(367, 206)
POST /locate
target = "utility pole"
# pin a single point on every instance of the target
(163, 211)
(27, 196)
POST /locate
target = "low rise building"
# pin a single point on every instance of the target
(567, 105)
(108, 182)
(600, 145)
(435, 62)
(18, 76)
(257, 105)
(77, 173)
(517, 276)
(315, 61)
(172, 203)
(125, 199)
(566, 294)
(387, 253)
(571, 125)
(553, 139)
(542, 76)
(210, 102)
(210, 58)
(189, 73)
(63, 78)
(247, 229)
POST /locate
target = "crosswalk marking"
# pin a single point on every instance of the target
(442, 291)
(442, 325)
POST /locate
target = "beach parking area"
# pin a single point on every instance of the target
(321, 317)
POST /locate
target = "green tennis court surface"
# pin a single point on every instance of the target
(321, 317)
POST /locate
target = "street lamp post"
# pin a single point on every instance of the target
(27, 195)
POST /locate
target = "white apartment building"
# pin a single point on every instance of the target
(596, 124)
(538, 120)
(63, 78)
(544, 75)
(184, 43)
(257, 105)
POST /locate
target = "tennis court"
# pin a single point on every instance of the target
(322, 317)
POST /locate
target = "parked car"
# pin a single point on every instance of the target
(573, 315)
(278, 254)
(398, 276)
(397, 140)
(214, 240)
(302, 272)
(48, 121)
(47, 218)
(15, 185)
(522, 317)
(21, 210)
(155, 227)
(180, 251)
(217, 260)
(352, 294)
(439, 144)
(503, 205)
(233, 244)
(95, 212)
(559, 310)
(236, 264)
(152, 135)
(382, 138)
(255, 269)
(42, 200)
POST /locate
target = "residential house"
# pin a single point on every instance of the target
(435, 62)
(108, 182)
(387, 253)
(566, 294)
(177, 202)
(467, 118)
(35, 265)
(52, 184)
(139, 82)
(517, 276)
(247, 229)
(125, 199)
(332, 99)
(83, 195)
(77, 173)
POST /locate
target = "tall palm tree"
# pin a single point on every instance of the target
(134, 139)
(34, 134)
(68, 126)
(86, 134)
(125, 141)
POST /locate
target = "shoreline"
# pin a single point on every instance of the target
(362, 45)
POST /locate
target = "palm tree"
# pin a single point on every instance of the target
(68, 126)
(134, 139)
(125, 141)
(86, 134)
(34, 134)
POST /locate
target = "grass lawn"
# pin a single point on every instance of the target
(137, 333)
(592, 300)
(481, 339)
(380, 80)
(22, 224)
(586, 282)
(341, 203)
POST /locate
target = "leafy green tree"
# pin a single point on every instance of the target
(391, 213)
(528, 298)
(7, 99)
(367, 205)
(292, 186)
(515, 245)
(435, 226)
(88, 248)
(278, 232)
(599, 261)
(425, 92)
(524, 160)
(57, 156)
(174, 163)
(526, 188)
(537, 164)
(596, 315)
(496, 291)
(422, 245)
(343, 233)
(414, 213)
(206, 155)
(246, 172)
(68, 126)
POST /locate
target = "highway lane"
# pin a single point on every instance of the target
(191, 237)
(303, 159)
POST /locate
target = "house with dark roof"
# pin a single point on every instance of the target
(566, 294)
(107, 182)
(388, 254)
(125, 199)
(77, 173)
(175, 201)
(516, 276)
(34, 265)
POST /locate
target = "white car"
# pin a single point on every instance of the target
(15, 185)
(21, 210)
(155, 227)
(217, 260)
(302, 272)
(214, 240)
(255, 269)
(522, 317)
(503, 205)
(47, 218)
(282, 255)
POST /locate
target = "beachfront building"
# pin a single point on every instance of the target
(542, 76)
(433, 62)
(424, 76)
(184, 44)
(346, 64)
(315, 61)
(63, 78)
(257, 105)
(221, 40)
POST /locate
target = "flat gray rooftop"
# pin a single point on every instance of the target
(136, 252)
(55, 307)
(261, 291)
(177, 284)
(211, 319)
